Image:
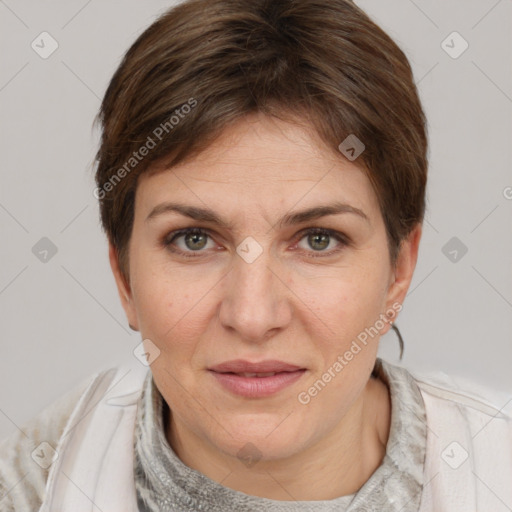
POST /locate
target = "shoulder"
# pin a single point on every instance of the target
(468, 464)
(27, 455)
(478, 416)
(468, 421)
(476, 400)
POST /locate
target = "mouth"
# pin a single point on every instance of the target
(257, 384)
(241, 366)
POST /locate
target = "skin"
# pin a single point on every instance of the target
(287, 305)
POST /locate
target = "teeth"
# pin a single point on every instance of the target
(269, 374)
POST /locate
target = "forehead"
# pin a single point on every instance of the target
(264, 161)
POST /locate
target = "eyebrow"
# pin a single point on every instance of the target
(298, 217)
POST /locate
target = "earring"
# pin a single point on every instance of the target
(400, 339)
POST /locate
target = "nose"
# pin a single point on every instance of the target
(255, 301)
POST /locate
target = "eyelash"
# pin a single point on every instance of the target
(339, 237)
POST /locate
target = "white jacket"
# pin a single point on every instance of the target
(468, 465)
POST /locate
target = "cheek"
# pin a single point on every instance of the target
(344, 324)
(170, 303)
(157, 301)
(342, 301)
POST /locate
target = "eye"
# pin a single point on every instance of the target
(320, 239)
(191, 240)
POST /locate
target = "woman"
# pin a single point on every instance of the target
(261, 179)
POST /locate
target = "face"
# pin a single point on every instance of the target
(251, 279)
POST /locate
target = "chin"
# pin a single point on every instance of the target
(260, 441)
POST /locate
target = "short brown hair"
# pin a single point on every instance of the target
(207, 63)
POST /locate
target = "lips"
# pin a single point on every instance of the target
(248, 369)
(256, 380)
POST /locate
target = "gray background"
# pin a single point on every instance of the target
(61, 319)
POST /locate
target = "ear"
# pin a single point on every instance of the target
(404, 269)
(123, 288)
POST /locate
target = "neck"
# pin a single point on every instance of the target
(336, 465)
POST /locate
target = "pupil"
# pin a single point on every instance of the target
(195, 238)
(319, 236)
